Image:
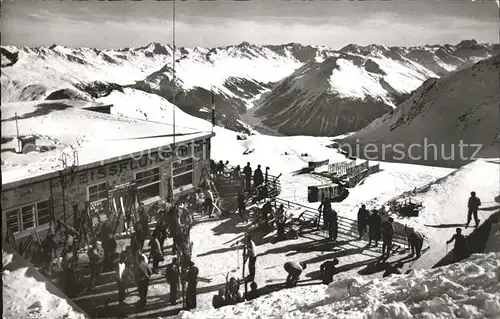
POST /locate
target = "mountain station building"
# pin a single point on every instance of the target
(64, 158)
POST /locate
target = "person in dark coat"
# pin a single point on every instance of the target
(251, 256)
(460, 249)
(363, 216)
(93, 256)
(49, 252)
(160, 232)
(143, 275)
(233, 295)
(192, 280)
(325, 208)
(172, 276)
(109, 246)
(219, 300)
(294, 269)
(415, 241)
(281, 225)
(327, 270)
(267, 211)
(473, 205)
(375, 224)
(144, 219)
(155, 253)
(387, 235)
(253, 293)
(237, 173)
(69, 265)
(333, 226)
(138, 237)
(393, 270)
(121, 278)
(220, 168)
(247, 171)
(258, 177)
(241, 203)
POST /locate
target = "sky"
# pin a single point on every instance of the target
(119, 24)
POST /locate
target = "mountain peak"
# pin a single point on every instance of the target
(244, 44)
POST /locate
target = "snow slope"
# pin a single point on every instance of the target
(469, 289)
(445, 204)
(28, 294)
(459, 108)
(347, 91)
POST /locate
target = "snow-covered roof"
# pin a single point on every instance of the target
(62, 127)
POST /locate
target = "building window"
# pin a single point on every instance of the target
(98, 199)
(28, 217)
(198, 150)
(182, 172)
(98, 192)
(148, 184)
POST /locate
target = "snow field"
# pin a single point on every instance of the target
(470, 289)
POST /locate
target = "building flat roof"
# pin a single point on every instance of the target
(62, 127)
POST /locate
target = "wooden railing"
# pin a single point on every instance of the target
(309, 217)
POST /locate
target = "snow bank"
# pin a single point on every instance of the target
(469, 289)
(28, 294)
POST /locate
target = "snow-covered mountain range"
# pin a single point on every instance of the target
(296, 89)
(462, 107)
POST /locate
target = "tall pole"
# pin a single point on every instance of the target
(18, 140)
(173, 69)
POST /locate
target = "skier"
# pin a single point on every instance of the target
(69, 267)
(294, 269)
(237, 173)
(325, 208)
(121, 278)
(220, 168)
(333, 227)
(247, 171)
(49, 252)
(219, 300)
(251, 256)
(192, 280)
(375, 223)
(258, 178)
(138, 236)
(93, 256)
(233, 295)
(253, 293)
(172, 276)
(160, 232)
(415, 241)
(393, 270)
(144, 219)
(109, 247)
(460, 249)
(267, 211)
(328, 269)
(280, 225)
(388, 234)
(241, 204)
(155, 254)
(363, 217)
(143, 275)
(473, 205)
(209, 203)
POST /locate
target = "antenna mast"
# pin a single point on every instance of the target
(173, 71)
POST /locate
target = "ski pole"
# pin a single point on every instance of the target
(446, 248)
